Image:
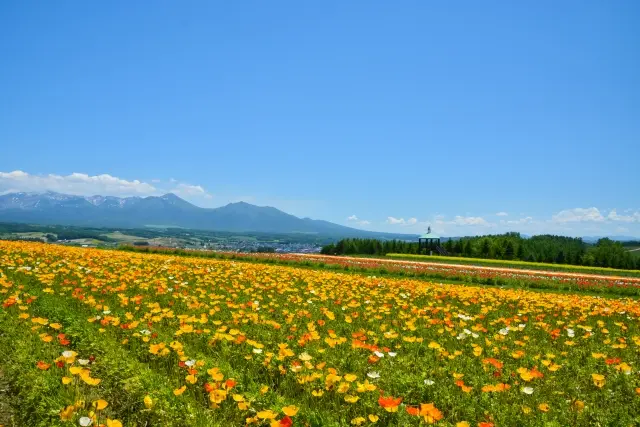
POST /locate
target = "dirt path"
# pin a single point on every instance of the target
(482, 268)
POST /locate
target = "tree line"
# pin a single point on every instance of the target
(510, 246)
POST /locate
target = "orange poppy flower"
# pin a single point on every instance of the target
(412, 410)
(430, 413)
(390, 404)
(43, 365)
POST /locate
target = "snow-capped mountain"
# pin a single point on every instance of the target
(166, 210)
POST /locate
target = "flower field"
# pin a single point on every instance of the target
(551, 280)
(560, 280)
(112, 338)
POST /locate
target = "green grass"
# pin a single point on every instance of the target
(25, 235)
(36, 234)
(516, 264)
(124, 238)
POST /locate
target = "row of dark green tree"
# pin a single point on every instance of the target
(509, 246)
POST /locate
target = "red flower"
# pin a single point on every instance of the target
(62, 339)
(286, 422)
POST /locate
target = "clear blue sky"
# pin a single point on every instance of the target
(425, 112)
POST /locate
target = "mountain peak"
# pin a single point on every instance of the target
(240, 203)
(170, 196)
(174, 200)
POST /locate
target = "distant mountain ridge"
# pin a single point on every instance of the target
(168, 210)
(594, 239)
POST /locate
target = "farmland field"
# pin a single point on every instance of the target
(92, 337)
(514, 264)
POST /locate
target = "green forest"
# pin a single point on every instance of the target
(510, 246)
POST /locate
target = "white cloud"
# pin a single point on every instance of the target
(526, 220)
(8, 191)
(395, 221)
(502, 214)
(356, 220)
(570, 222)
(401, 221)
(613, 216)
(469, 220)
(187, 190)
(76, 183)
(439, 223)
(81, 184)
(578, 215)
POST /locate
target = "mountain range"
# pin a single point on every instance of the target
(168, 210)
